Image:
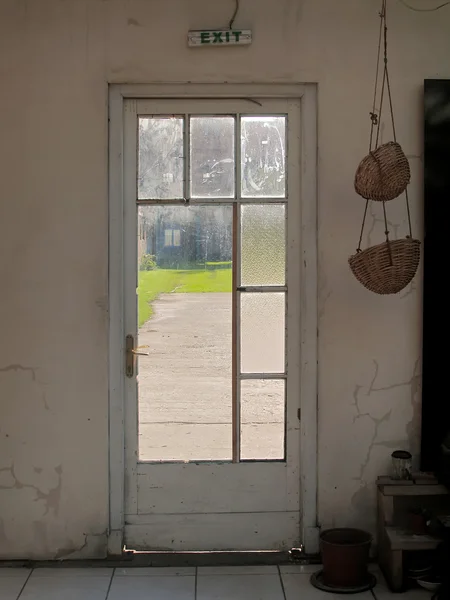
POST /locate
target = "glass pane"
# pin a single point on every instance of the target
(160, 158)
(262, 419)
(263, 244)
(263, 157)
(212, 157)
(184, 309)
(262, 332)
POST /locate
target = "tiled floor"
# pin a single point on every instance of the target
(204, 583)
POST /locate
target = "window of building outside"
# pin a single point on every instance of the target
(172, 237)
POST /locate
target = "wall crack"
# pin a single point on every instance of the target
(377, 421)
(51, 498)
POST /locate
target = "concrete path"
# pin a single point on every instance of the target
(185, 386)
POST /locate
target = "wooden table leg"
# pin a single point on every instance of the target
(394, 567)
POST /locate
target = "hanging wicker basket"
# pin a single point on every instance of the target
(383, 174)
(387, 268)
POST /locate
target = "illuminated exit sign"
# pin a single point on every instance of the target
(220, 37)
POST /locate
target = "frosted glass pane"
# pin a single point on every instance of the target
(263, 157)
(263, 244)
(212, 157)
(160, 173)
(262, 419)
(262, 332)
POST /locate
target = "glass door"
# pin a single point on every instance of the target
(212, 292)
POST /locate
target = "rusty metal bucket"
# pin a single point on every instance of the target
(345, 557)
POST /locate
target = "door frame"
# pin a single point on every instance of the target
(307, 93)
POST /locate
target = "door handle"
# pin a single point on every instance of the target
(130, 354)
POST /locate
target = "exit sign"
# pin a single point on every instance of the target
(220, 37)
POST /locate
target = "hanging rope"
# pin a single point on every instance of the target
(376, 119)
(373, 114)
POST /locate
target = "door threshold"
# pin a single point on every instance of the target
(213, 558)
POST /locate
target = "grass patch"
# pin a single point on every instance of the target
(205, 282)
(165, 281)
(151, 285)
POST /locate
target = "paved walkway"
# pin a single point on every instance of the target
(185, 386)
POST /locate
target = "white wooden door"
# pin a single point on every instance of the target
(212, 273)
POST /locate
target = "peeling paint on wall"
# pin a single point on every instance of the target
(51, 498)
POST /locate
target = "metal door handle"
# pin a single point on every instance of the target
(130, 354)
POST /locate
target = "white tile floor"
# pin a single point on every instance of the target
(204, 583)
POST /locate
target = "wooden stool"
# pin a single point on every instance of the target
(393, 541)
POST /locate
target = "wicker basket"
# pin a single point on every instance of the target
(383, 174)
(388, 267)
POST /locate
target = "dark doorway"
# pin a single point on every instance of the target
(435, 396)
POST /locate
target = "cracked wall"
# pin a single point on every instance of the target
(44, 512)
(56, 61)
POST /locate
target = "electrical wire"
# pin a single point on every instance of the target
(423, 9)
(233, 18)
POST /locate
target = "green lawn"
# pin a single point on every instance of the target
(164, 281)
(217, 280)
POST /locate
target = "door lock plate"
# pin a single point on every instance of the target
(129, 356)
